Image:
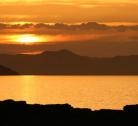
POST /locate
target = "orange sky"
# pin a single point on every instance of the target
(70, 11)
(91, 39)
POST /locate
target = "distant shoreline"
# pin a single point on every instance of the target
(65, 62)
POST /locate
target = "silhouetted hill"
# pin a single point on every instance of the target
(63, 53)
(21, 114)
(64, 62)
(7, 71)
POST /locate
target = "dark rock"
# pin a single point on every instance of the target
(131, 108)
(21, 114)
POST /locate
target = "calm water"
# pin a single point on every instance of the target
(81, 91)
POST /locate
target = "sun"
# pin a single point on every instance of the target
(28, 39)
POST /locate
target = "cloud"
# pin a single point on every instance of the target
(45, 28)
(64, 32)
(74, 11)
(91, 39)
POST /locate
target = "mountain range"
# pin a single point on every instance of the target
(64, 62)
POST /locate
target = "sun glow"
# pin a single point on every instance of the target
(27, 39)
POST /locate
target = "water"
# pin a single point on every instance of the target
(94, 92)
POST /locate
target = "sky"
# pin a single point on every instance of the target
(96, 28)
(88, 39)
(69, 11)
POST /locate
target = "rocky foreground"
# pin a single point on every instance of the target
(18, 113)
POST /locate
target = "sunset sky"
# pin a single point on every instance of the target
(70, 11)
(86, 27)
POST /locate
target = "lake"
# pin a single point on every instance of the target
(94, 92)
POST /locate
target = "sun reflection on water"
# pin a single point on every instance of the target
(28, 88)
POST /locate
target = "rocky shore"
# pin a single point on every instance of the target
(19, 113)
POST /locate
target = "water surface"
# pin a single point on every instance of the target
(80, 91)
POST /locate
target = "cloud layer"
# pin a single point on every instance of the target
(91, 39)
(74, 11)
